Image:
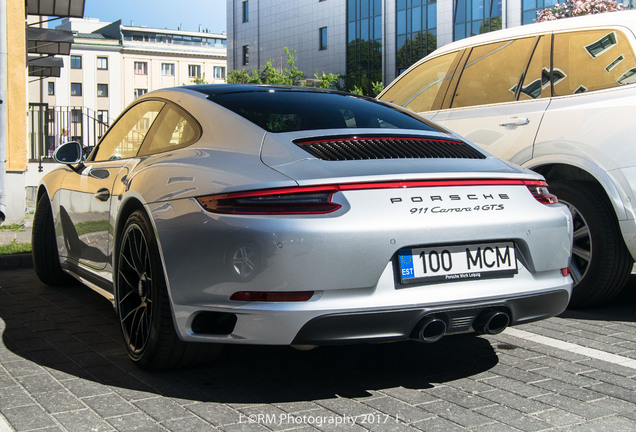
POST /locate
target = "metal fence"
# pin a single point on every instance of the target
(48, 127)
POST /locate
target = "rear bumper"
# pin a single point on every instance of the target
(386, 326)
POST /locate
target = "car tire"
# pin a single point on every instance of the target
(46, 259)
(601, 263)
(143, 306)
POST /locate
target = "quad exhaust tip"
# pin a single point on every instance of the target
(492, 322)
(431, 329)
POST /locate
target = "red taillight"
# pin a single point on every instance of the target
(294, 200)
(268, 296)
(540, 192)
(565, 271)
(318, 199)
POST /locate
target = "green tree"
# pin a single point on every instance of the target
(290, 75)
(327, 80)
(414, 49)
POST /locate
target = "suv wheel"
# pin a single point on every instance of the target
(601, 262)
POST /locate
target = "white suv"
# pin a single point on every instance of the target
(560, 98)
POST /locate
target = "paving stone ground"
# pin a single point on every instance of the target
(63, 368)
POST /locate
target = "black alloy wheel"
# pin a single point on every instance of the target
(135, 290)
(601, 263)
(143, 306)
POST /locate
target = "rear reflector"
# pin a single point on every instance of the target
(565, 271)
(268, 296)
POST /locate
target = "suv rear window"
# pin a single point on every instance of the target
(288, 111)
(592, 60)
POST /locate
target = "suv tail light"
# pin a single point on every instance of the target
(540, 192)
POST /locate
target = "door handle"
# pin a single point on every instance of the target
(515, 121)
(102, 194)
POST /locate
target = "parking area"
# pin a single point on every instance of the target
(63, 367)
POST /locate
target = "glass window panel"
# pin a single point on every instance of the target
(377, 30)
(537, 80)
(364, 10)
(432, 15)
(417, 19)
(401, 22)
(364, 29)
(352, 32)
(124, 139)
(351, 10)
(174, 130)
(493, 72)
(583, 59)
(418, 90)
(460, 11)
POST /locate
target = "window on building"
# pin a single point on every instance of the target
(194, 71)
(322, 34)
(102, 116)
(473, 17)
(246, 11)
(416, 28)
(102, 90)
(76, 116)
(219, 72)
(76, 89)
(167, 69)
(531, 8)
(102, 63)
(76, 62)
(141, 68)
(364, 43)
(140, 92)
(246, 55)
(51, 88)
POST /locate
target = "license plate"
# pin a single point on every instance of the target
(457, 263)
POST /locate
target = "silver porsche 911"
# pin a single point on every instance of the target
(222, 214)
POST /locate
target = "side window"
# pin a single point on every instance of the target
(536, 83)
(173, 129)
(493, 72)
(592, 60)
(417, 90)
(124, 139)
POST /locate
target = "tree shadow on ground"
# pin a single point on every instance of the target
(73, 332)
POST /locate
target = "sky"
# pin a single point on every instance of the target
(170, 14)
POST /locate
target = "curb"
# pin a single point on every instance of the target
(16, 261)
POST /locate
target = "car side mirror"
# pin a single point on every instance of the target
(68, 153)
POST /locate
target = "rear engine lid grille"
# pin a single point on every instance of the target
(361, 148)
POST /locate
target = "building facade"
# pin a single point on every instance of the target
(108, 67)
(366, 40)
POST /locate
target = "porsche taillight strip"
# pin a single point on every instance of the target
(318, 199)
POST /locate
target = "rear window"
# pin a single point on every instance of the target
(288, 111)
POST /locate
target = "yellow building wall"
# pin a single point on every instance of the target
(16, 87)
